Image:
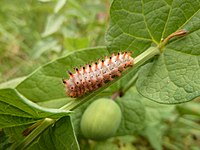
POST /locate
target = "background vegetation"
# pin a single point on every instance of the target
(34, 32)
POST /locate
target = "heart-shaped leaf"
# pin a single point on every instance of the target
(175, 76)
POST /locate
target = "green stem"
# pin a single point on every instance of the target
(33, 135)
(146, 55)
(130, 84)
(139, 60)
(31, 128)
(122, 91)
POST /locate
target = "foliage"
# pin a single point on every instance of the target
(39, 31)
(164, 38)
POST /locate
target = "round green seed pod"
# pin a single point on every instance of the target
(101, 119)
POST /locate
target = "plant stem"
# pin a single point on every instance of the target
(33, 135)
(138, 61)
(122, 91)
(130, 84)
(146, 55)
(31, 128)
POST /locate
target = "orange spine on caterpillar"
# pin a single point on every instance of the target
(89, 78)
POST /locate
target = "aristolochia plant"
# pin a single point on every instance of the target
(164, 38)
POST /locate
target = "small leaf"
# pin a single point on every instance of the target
(46, 45)
(60, 4)
(16, 110)
(133, 113)
(60, 136)
(154, 135)
(54, 23)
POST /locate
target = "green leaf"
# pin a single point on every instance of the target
(175, 76)
(15, 110)
(46, 84)
(4, 142)
(75, 43)
(128, 28)
(155, 116)
(191, 108)
(60, 136)
(54, 23)
(14, 134)
(45, 45)
(133, 113)
(12, 83)
(155, 112)
(76, 117)
(154, 134)
(60, 4)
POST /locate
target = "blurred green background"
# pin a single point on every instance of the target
(33, 32)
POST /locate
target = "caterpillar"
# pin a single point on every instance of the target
(91, 77)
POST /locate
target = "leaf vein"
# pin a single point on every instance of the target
(146, 24)
(136, 37)
(166, 22)
(189, 19)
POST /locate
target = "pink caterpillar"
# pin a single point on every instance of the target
(91, 77)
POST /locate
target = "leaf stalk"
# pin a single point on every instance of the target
(178, 33)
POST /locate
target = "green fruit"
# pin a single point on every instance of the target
(101, 119)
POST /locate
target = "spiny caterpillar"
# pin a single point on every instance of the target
(91, 77)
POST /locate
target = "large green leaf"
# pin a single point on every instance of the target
(15, 110)
(175, 76)
(45, 84)
(128, 28)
